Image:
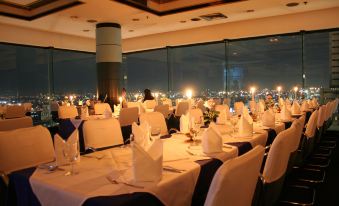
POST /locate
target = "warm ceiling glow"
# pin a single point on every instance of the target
(189, 93)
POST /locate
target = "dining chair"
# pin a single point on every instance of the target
(100, 108)
(163, 109)
(238, 107)
(200, 105)
(136, 104)
(155, 119)
(150, 104)
(168, 102)
(27, 106)
(24, 148)
(182, 108)
(252, 105)
(196, 114)
(16, 123)
(65, 112)
(102, 133)
(235, 181)
(128, 116)
(15, 111)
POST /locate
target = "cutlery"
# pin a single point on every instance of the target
(172, 169)
(113, 181)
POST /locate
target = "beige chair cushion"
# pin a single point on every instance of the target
(16, 123)
(15, 111)
(128, 116)
(65, 112)
(99, 108)
(163, 109)
(99, 133)
(155, 119)
(26, 147)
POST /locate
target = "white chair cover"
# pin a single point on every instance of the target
(154, 119)
(150, 104)
(136, 104)
(15, 111)
(100, 108)
(128, 116)
(278, 156)
(311, 125)
(196, 114)
(321, 116)
(163, 109)
(235, 181)
(238, 107)
(167, 102)
(101, 133)
(182, 108)
(27, 106)
(16, 123)
(65, 112)
(26, 147)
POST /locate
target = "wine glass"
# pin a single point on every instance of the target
(71, 153)
(234, 121)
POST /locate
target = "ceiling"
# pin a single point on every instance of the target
(80, 20)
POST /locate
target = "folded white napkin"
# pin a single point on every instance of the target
(222, 118)
(304, 106)
(185, 123)
(245, 126)
(285, 114)
(147, 161)
(253, 106)
(84, 112)
(261, 106)
(141, 134)
(295, 109)
(245, 111)
(211, 140)
(59, 145)
(268, 119)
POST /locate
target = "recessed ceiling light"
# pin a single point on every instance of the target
(92, 21)
(135, 19)
(235, 53)
(195, 19)
(131, 30)
(250, 10)
(183, 21)
(86, 30)
(292, 4)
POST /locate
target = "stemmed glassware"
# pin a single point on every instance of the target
(71, 153)
(234, 121)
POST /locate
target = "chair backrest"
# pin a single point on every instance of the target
(99, 133)
(235, 181)
(238, 107)
(220, 108)
(24, 148)
(182, 108)
(15, 111)
(128, 116)
(312, 125)
(154, 119)
(27, 106)
(16, 123)
(163, 109)
(321, 116)
(278, 156)
(150, 104)
(65, 112)
(297, 127)
(196, 114)
(201, 106)
(168, 102)
(136, 104)
(100, 108)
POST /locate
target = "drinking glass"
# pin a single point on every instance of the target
(71, 153)
(234, 121)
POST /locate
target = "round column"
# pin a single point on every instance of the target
(108, 59)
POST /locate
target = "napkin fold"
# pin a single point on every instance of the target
(185, 123)
(285, 114)
(295, 109)
(268, 119)
(141, 134)
(305, 106)
(147, 161)
(245, 126)
(211, 140)
(315, 102)
(59, 144)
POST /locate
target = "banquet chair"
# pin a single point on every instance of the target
(128, 116)
(163, 109)
(220, 108)
(102, 133)
(24, 148)
(16, 123)
(273, 176)
(196, 114)
(182, 108)
(67, 112)
(15, 111)
(235, 181)
(201, 106)
(27, 106)
(155, 119)
(167, 102)
(100, 108)
(149, 105)
(238, 107)
(252, 105)
(136, 104)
